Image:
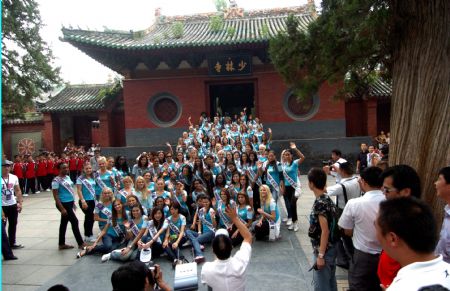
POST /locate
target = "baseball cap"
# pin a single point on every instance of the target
(222, 232)
(6, 163)
(146, 255)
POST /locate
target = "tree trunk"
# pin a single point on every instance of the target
(420, 112)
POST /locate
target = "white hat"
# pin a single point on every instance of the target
(223, 232)
(146, 255)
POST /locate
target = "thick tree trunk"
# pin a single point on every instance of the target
(420, 112)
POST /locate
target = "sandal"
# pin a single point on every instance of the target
(65, 247)
(82, 253)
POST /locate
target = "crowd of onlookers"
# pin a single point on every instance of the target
(222, 183)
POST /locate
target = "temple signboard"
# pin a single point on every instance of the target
(230, 65)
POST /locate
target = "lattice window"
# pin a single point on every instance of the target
(164, 109)
(300, 109)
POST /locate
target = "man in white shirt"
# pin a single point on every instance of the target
(337, 160)
(228, 273)
(407, 231)
(11, 202)
(347, 189)
(357, 221)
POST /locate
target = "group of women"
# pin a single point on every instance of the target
(179, 196)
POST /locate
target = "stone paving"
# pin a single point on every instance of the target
(281, 265)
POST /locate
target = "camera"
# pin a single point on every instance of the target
(327, 163)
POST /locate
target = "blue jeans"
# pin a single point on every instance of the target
(110, 243)
(325, 279)
(199, 239)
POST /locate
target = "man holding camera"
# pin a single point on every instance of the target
(137, 276)
(334, 164)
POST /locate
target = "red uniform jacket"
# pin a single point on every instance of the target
(18, 170)
(50, 165)
(80, 164)
(30, 170)
(41, 168)
(73, 164)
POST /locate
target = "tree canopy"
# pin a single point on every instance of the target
(27, 68)
(348, 41)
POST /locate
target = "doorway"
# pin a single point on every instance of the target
(230, 99)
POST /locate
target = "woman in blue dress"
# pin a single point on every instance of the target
(156, 233)
(86, 194)
(245, 213)
(175, 234)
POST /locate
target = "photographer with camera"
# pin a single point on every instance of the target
(334, 164)
(137, 276)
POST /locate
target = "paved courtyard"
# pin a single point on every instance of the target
(281, 265)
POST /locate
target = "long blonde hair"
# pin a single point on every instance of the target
(269, 195)
(144, 191)
(111, 199)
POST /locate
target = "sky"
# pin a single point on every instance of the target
(78, 68)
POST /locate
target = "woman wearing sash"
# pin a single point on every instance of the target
(140, 167)
(245, 213)
(86, 195)
(208, 180)
(235, 186)
(149, 181)
(225, 199)
(64, 195)
(218, 186)
(269, 214)
(292, 184)
(160, 202)
(137, 228)
(156, 234)
(198, 168)
(175, 233)
(112, 234)
(273, 175)
(254, 178)
(128, 187)
(118, 178)
(205, 229)
(159, 191)
(143, 194)
(132, 200)
(103, 177)
(103, 209)
(121, 165)
(197, 189)
(180, 195)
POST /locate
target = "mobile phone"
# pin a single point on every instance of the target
(313, 267)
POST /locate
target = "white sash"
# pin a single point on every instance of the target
(66, 185)
(134, 228)
(87, 185)
(117, 229)
(202, 216)
(272, 181)
(105, 210)
(222, 215)
(153, 231)
(290, 180)
(252, 175)
(99, 180)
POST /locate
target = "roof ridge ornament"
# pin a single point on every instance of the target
(233, 11)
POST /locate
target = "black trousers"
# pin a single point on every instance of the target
(238, 239)
(362, 274)
(41, 183)
(289, 194)
(6, 247)
(65, 219)
(30, 183)
(73, 176)
(88, 217)
(49, 180)
(261, 232)
(22, 184)
(11, 214)
(256, 200)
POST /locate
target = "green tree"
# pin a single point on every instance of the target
(405, 41)
(26, 59)
(221, 5)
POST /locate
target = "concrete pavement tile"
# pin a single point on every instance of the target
(24, 255)
(6, 287)
(12, 274)
(43, 274)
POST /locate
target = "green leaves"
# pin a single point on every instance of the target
(216, 23)
(27, 68)
(349, 38)
(177, 29)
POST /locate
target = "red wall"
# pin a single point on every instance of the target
(8, 129)
(192, 92)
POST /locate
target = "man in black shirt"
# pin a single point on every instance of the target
(361, 161)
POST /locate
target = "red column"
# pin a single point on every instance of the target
(51, 134)
(371, 107)
(102, 134)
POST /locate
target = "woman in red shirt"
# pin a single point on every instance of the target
(30, 175)
(50, 176)
(41, 173)
(18, 170)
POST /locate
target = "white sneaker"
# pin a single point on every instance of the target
(106, 257)
(92, 238)
(284, 219)
(291, 227)
(25, 195)
(37, 192)
(296, 226)
(289, 221)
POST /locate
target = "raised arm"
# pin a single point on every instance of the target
(298, 152)
(243, 230)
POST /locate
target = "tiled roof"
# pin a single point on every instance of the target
(254, 27)
(28, 118)
(75, 98)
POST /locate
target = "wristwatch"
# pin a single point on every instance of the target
(321, 256)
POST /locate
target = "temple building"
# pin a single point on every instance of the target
(209, 63)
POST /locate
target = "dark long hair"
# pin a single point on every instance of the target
(122, 167)
(157, 224)
(115, 214)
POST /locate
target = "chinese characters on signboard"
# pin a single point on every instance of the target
(230, 65)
